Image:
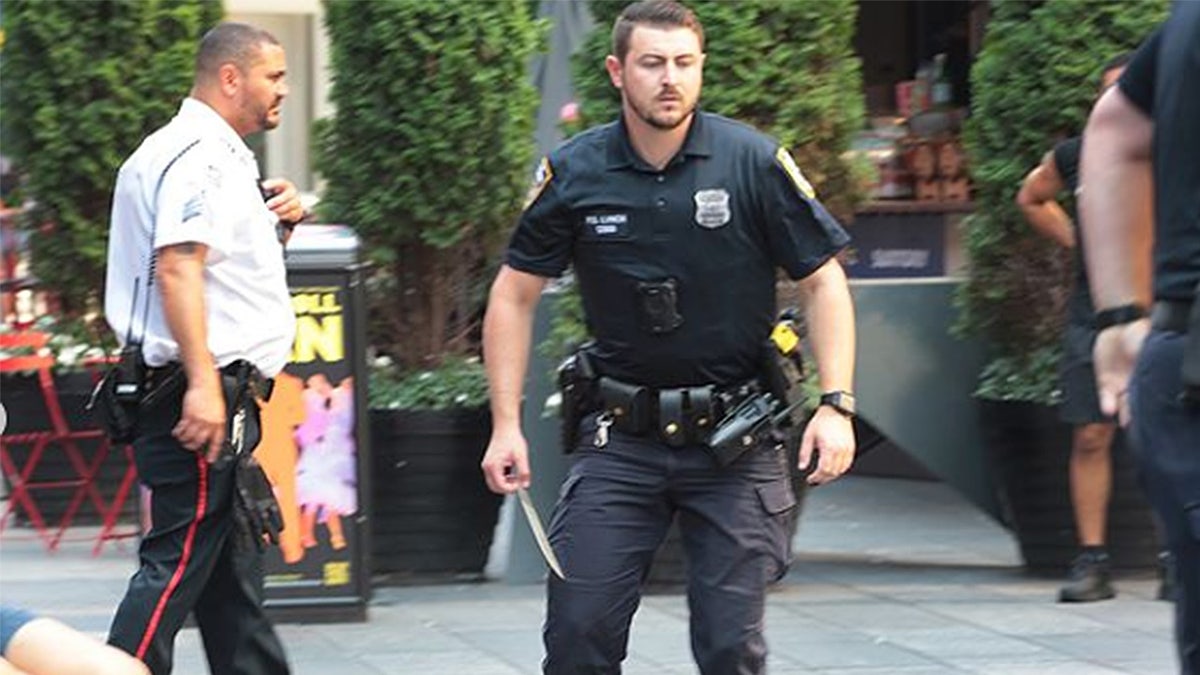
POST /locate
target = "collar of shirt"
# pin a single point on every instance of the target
(195, 111)
(697, 143)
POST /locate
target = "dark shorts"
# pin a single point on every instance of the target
(12, 620)
(1077, 378)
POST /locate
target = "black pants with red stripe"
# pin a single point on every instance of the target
(194, 560)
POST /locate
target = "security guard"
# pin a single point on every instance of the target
(196, 278)
(1141, 208)
(675, 221)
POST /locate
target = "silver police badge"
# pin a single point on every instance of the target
(712, 208)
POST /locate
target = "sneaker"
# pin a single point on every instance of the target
(1088, 580)
(1166, 576)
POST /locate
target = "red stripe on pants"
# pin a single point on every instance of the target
(201, 503)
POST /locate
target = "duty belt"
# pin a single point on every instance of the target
(1171, 315)
(679, 416)
(247, 374)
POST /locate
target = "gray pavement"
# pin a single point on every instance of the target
(891, 576)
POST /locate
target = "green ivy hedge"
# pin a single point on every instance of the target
(1033, 84)
(83, 83)
(428, 156)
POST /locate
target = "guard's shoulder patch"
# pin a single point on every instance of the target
(541, 178)
(789, 167)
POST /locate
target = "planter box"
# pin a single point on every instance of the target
(1030, 449)
(22, 397)
(432, 514)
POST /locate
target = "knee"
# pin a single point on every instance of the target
(1093, 440)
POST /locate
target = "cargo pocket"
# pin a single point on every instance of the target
(776, 496)
(779, 503)
(556, 532)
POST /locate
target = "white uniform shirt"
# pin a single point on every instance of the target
(194, 180)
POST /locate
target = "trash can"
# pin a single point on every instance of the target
(315, 446)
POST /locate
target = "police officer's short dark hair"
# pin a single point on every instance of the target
(657, 13)
(230, 42)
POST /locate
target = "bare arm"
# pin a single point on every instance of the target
(1037, 200)
(829, 315)
(507, 336)
(181, 278)
(1117, 206)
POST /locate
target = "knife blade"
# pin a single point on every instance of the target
(539, 532)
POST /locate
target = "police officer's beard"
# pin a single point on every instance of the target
(662, 122)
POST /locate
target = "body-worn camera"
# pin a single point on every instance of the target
(659, 305)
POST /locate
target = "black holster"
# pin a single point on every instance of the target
(576, 385)
(256, 510)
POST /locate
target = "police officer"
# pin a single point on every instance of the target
(675, 221)
(196, 275)
(1141, 218)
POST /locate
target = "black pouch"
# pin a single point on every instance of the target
(629, 404)
(115, 400)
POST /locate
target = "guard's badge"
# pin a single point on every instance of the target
(712, 208)
(541, 178)
(789, 167)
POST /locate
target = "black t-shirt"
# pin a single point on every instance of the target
(1066, 160)
(1163, 79)
(718, 221)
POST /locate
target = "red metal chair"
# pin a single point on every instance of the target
(59, 434)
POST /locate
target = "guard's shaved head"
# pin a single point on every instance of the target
(236, 43)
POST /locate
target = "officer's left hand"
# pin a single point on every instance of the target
(832, 434)
(285, 200)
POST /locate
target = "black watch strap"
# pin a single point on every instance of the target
(841, 401)
(1115, 316)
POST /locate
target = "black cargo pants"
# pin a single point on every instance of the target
(612, 514)
(1167, 445)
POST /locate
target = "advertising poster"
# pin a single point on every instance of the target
(310, 450)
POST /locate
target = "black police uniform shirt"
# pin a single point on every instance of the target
(1066, 161)
(719, 220)
(1163, 80)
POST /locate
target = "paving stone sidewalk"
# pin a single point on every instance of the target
(891, 576)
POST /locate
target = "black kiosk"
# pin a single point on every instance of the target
(316, 444)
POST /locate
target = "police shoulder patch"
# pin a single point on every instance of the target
(541, 178)
(789, 167)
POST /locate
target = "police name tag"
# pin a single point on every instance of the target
(712, 208)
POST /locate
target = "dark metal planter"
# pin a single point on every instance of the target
(1029, 448)
(432, 514)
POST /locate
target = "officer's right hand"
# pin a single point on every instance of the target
(202, 422)
(506, 463)
(1115, 353)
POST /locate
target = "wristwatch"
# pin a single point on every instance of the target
(1115, 316)
(841, 401)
